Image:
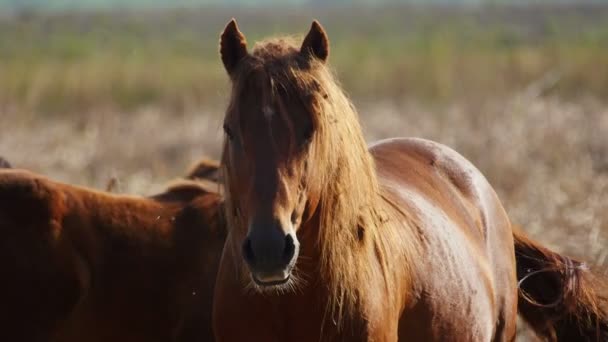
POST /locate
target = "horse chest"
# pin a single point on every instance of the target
(296, 317)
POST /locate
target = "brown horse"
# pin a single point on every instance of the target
(330, 240)
(84, 265)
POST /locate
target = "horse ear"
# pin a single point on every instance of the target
(233, 46)
(316, 42)
(4, 164)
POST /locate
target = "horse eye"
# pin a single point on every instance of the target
(307, 134)
(228, 131)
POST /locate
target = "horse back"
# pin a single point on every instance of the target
(463, 242)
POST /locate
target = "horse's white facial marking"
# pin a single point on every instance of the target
(268, 112)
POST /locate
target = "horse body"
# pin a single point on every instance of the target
(436, 198)
(84, 265)
(462, 234)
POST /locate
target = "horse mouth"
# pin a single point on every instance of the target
(269, 280)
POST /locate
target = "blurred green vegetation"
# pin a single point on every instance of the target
(64, 61)
(54, 5)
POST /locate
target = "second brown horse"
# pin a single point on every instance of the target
(83, 265)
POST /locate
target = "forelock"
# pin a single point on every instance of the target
(275, 49)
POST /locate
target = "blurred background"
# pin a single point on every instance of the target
(134, 89)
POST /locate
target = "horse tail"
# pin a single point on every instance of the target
(559, 297)
(4, 164)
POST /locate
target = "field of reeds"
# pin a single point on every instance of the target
(139, 95)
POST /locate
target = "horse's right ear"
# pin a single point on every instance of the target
(316, 43)
(233, 46)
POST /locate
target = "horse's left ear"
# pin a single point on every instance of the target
(316, 42)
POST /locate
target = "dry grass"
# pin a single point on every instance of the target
(531, 116)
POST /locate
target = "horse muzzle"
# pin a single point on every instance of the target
(271, 255)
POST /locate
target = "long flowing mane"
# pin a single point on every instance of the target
(343, 172)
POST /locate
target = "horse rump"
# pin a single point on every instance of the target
(559, 297)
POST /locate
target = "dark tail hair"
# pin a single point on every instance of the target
(559, 297)
(4, 164)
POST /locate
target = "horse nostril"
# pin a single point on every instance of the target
(294, 217)
(248, 252)
(289, 250)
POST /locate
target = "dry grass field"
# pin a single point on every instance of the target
(521, 92)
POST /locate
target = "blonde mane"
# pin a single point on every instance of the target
(344, 174)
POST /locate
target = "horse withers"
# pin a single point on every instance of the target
(402, 241)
